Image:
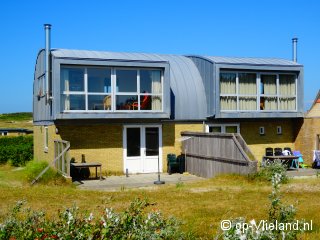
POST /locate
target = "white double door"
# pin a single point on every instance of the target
(142, 148)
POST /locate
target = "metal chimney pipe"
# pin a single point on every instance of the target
(294, 49)
(47, 28)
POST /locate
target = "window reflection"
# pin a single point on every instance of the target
(99, 80)
(126, 80)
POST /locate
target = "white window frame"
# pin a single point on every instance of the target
(46, 139)
(258, 95)
(262, 131)
(279, 130)
(223, 126)
(114, 92)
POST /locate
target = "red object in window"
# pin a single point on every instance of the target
(144, 103)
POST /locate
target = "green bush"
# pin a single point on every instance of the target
(266, 173)
(51, 176)
(16, 150)
(133, 223)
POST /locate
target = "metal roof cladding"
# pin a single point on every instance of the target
(249, 61)
(185, 80)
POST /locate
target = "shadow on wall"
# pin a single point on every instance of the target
(168, 135)
(290, 128)
(92, 137)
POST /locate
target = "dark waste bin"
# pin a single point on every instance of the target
(172, 164)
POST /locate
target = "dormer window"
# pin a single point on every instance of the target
(111, 89)
(239, 91)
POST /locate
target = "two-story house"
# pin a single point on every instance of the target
(127, 109)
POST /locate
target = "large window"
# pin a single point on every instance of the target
(242, 91)
(111, 89)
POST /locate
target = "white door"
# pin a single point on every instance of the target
(142, 146)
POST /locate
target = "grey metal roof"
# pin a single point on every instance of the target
(185, 80)
(16, 130)
(250, 61)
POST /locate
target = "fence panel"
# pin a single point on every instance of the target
(211, 154)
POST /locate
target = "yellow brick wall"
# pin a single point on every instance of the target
(38, 140)
(99, 143)
(171, 133)
(307, 138)
(258, 143)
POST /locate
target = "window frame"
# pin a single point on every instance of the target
(258, 95)
(113, 92)
(223, 126)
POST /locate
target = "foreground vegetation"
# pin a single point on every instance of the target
(200, 206)
(16, 150)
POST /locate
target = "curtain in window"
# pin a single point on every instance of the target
(65, 77)
(247, 83)
(228, 83)
(228, 103)
(247, 103)
(270, 103)
(156, 89)
(287, 85)
(288, 103)
(269, 84)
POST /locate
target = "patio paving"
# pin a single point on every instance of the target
(117, 183)
(303, 173)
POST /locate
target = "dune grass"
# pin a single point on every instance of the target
(16, 120)
(200, 205)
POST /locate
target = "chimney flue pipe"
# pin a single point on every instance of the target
(294, 49)
(47, 28)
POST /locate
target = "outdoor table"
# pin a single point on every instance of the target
(88, 165)
(285, 160)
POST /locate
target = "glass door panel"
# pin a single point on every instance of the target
(152, 141)
(133, 142)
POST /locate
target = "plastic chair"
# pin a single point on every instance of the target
(269, 151)
(278, 151)
(300, 159)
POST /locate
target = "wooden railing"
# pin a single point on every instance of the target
(211, 154)
(61, 160)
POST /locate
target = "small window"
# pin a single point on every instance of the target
(215, 129)
(46, 139)
(261, 131)
(279, 130)
(4, 133)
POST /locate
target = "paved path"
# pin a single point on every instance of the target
(117, 183)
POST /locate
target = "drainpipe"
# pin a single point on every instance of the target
(47, 28)
(294, 49)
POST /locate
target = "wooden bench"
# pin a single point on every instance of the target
(88, 165)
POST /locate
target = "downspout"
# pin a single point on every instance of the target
(294, 49)
(47, 28)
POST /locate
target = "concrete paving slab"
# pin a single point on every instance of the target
(117, 183)
(303, 172)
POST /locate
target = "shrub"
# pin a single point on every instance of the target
(51, 176)
(16, 150)
(279, 213)
(133, 223)
(266, 173)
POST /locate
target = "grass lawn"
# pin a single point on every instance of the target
(200, 205)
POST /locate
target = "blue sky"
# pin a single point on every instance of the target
(217, 28)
